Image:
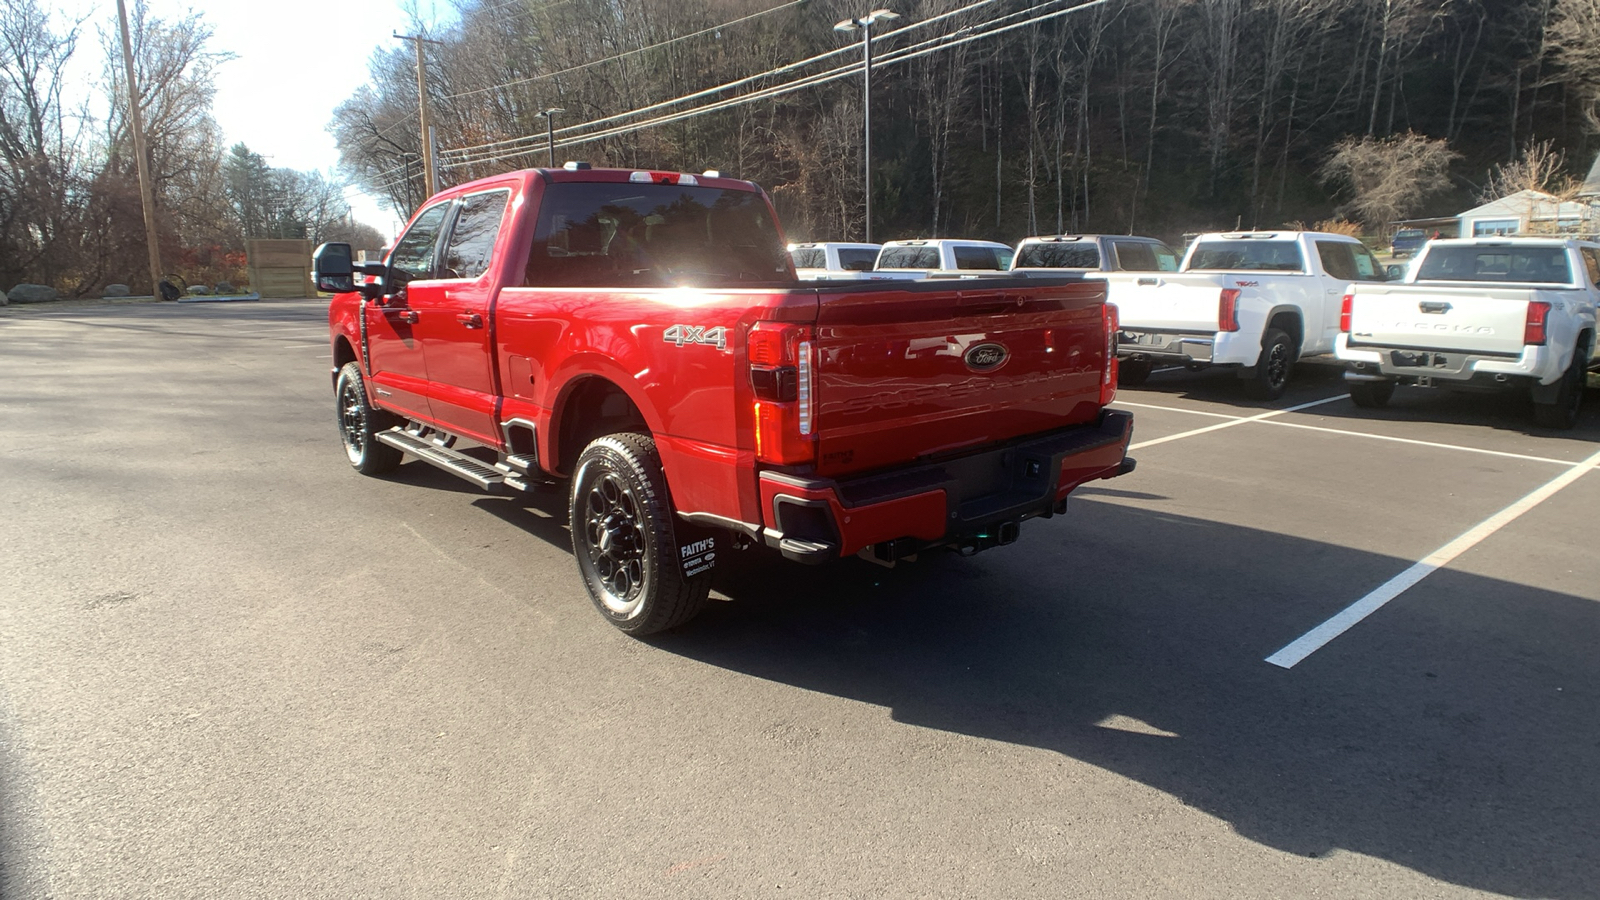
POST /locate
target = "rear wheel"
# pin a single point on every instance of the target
(1563, 411)
(359, 424)
(1134, 372)
(624, 535)
(1273, 367)
(1371, 394)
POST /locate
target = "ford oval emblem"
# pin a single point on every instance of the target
(986, 357)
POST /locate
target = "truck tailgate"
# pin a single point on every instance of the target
(1165, 302)
(921, 370)
(1485, 319)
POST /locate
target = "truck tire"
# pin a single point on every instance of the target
(624, 536)
(1371, 394)
(1273, 367)
(359, 423)
(1562, 413)
(1134, 372)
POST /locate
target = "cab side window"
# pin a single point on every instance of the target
(472, 237)
(413, 256)
(1166, 260)
(1337, 260)
(976, 258)
(1591, 263)
(1367, 266)
(1134, 256)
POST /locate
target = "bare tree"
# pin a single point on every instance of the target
(1540, 167)
(1388, 178)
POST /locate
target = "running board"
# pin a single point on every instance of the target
(455, 462)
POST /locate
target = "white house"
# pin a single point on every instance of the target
(1529, 212)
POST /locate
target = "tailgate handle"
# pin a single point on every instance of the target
(1148, 282)
(985, 304)
(1434, 306)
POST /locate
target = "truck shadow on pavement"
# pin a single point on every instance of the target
(1453, 733)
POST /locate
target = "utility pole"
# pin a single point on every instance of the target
(428, 174)
(864, 25)
(136, 119)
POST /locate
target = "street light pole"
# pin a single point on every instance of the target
(864, 25)
(550, 130)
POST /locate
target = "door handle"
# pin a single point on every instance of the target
(408, 316)
(471, 320)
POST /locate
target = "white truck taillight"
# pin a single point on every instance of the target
(1228, 310)
(1533, 328)
(780, 358)
(1108, 380)
(1346, 312)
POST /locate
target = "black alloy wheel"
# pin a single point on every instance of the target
(359, 424)
(625, 537)
(1273, 367)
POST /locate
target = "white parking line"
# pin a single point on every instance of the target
(1361, 434)
(1237, 421)
(1317, 638)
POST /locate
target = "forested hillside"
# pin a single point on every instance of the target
(997, 119)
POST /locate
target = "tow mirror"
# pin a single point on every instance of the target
(332, 266)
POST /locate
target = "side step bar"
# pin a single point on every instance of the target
(455, 462)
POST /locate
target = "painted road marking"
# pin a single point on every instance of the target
(1238, 421)
(1362, 434)
(1318, 637)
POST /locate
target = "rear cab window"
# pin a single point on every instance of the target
(1059, 255)
(1515, 265)
(631, 235)
(809, 258)
(1247, 255)
(908, 258)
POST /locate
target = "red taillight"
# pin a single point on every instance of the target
(1533, 330)
(1228, 310)
(1346, 308)
(780, 377)
(1108, 381)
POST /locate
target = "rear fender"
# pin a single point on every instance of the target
(567, 379)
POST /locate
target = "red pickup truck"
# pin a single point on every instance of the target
(642, 337)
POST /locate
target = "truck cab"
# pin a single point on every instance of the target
(833, 259)
(944, 258)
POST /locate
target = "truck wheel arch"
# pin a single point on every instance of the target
(589, 406)
(1291, 322)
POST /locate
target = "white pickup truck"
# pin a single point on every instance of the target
(833, 260)
(942, 258)
(1480, 314)
(1255, 301)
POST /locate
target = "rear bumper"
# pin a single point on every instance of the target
(1409, 365)
(1220, 348)
(977, 498)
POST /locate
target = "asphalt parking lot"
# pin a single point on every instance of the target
(232, 667)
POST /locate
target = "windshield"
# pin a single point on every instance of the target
(809, 258)
(1059, 255)
(1271, 256)
(653, 235)
(1525, 265)
(908, 258)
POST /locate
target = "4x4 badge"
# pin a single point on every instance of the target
(986, 357)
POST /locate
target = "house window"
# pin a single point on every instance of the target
(1489, 227)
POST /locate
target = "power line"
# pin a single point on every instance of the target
(624, 55)
(462, 152)
(975, 32)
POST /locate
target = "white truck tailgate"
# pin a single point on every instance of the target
(1166, 302)
(1480, 319)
